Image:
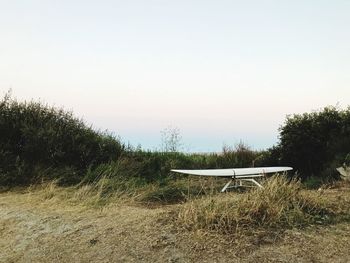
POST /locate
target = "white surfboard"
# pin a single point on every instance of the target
(234, 171)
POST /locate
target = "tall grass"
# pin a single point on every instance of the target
(124, 179)
(280, 204)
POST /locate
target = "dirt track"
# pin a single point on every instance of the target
(45, 233)
(35, 230)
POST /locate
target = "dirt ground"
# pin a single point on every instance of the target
(34, 229)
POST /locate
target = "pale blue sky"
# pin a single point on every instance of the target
(220, 71)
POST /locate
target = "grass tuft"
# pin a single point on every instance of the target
(280, 204)
(49, 190)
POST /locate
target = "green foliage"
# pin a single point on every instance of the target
(157, 165)
(315, 143)
(239, 156)
(34, 135)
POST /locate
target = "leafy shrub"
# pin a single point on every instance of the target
(315, 143)
(35, 135)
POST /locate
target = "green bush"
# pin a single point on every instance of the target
(315, 143)
(35, 135)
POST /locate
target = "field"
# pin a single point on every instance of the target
(49, 224)
(69, 193)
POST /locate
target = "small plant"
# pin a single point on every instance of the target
(171, 139)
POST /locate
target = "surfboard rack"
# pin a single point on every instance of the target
(238, 182)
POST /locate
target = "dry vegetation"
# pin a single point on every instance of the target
(280, 204)
(281, 223)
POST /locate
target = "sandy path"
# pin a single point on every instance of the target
(54, 231)
(47, 232)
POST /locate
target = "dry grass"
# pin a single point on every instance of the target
(121, 190)
(281, 204)
(53, 224)
(95, 194)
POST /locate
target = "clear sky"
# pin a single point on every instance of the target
(220, 71)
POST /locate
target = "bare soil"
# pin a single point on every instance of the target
(35, 229)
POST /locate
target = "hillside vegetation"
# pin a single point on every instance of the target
(40, 143)
(64, 182)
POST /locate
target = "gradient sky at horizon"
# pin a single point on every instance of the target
(220, 71)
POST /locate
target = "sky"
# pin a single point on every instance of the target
(219, 71)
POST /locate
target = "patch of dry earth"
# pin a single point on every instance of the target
(55, 231)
